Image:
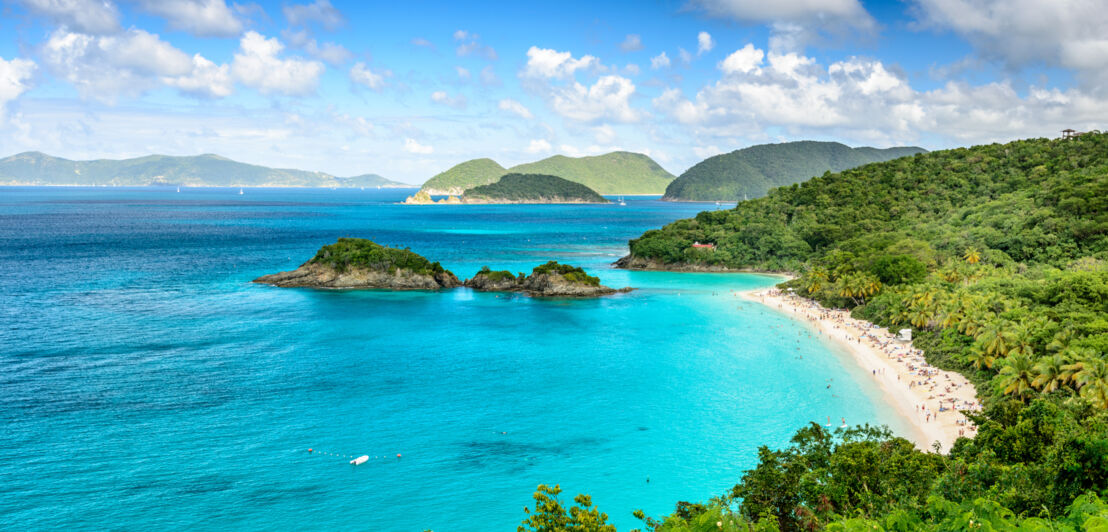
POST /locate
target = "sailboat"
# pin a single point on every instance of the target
(240, 192)
(621, 202)
(178, 189)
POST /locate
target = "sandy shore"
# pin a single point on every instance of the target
(929, 398)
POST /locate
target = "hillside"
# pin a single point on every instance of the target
(532, 188)
(34, 168)
(751, 172)
(613, 173)
(464, 176)
(996, 257)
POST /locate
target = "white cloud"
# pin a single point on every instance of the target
(743, 60)
(516, 108)
(203, 18)
(632, 69)
(552, 64)
(94, 17)
(489, 77)
(796, 23)
(412, 146)
(463, 74)
(257, 65)
(704, 43)
(363, 75)
(132, 62)
(207, 79)
(457, 102)
(684, 55)
(538, 146)
(471, 45)
(331, 53)
(15, 77)
(632, 43)
(704, 152)
(604, 134)
(320, 12)
(608, 98)
(659, 61)
(1066, 33)
(420, 41)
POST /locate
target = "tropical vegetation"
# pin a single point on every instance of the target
(532, 188)
(618, 172)
(752, 172)
(997, 258)
(349, 253)
(462, 176)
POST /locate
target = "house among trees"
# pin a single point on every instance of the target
(708, 245)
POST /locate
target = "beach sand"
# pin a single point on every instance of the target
(932, 405)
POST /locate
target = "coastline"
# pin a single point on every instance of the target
(893, 365)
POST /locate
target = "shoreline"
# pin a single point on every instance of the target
(931, 406)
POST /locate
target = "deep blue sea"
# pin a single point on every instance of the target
(146, 384)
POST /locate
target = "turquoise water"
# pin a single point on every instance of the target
(147, 384)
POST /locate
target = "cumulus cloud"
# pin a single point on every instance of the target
(412, 146)
(538, 146)
(552, 64)
(659, 61)
(743, 60)
(795, 23)
(132, 62)
(457, 102)
(256, 64)
(203, 18)
(632, 43)
(463, 74)
(93, 17)
(704, 43)
(609, 98)
(363, 75)
(515, 108)
(320, 12)
(489, 77)
(1062, 33)
(15, 77)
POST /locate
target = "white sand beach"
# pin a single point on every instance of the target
(930, 398)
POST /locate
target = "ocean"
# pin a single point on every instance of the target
(146, 383)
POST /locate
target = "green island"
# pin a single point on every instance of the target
(357, 263)
(752, 172)
(613, 173)
(996, 257)
(34, 168)
(547, 280)
(532, 188)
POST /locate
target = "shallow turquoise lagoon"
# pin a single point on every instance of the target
(147, 384)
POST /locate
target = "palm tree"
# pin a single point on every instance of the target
(1050, 373)
(979, 358)
(1093, 382)
(1022, 336)
(1017, 375)
(1081, 357)
(972, 256)
(816, 277)
(996, 336)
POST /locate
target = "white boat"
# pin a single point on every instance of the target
(240, 192)
(621, 202)
(178, 189)
(360, 460)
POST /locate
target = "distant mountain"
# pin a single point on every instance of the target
(618, 172)
(613, 173)
(752, 171)
(34, 168)
(464, 176)
(532, 188)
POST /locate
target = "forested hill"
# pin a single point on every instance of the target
(463, 176)
(532, 188)
(34, 168)
(612, 173)
(751, 172)
(997, 258)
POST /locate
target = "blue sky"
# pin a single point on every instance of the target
(407, 89)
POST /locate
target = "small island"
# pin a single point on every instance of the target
(549, 280)
(353, 263)
(361, 263)
(518, 189)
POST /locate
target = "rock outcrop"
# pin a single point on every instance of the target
(359, 263)
(549, 280)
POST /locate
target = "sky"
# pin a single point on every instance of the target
(408, 89)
